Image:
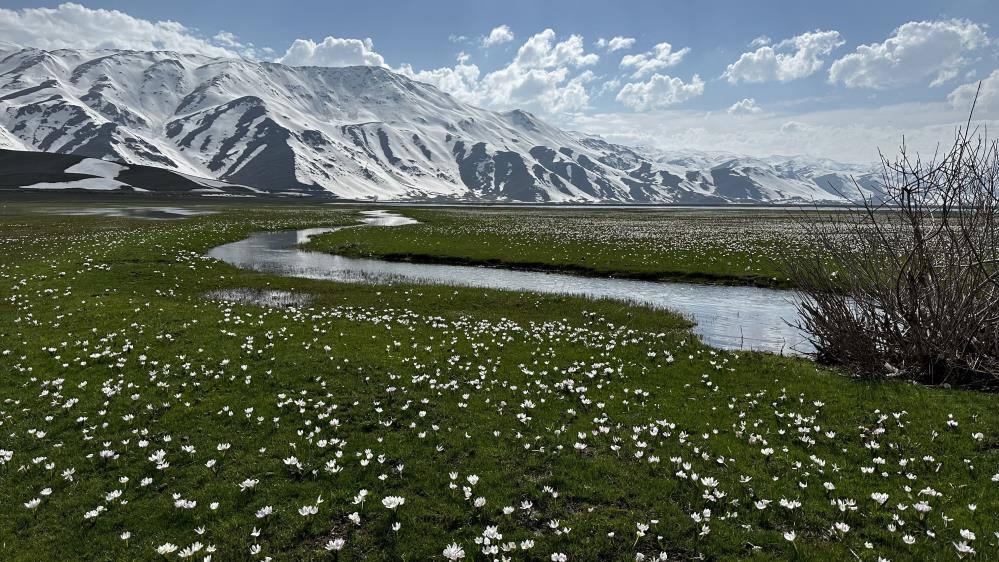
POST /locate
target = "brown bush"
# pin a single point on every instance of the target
(907, 285)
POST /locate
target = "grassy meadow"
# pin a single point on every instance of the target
(727, 246)
(143, 420)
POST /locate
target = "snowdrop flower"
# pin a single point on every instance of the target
(922, 508)
(166, 548)
(190, 550)
(334, 545)
(359, 498)
(790, 536)
(392, 502)
(33, 503)
(308, 510)
(454, 552)
(963, 549)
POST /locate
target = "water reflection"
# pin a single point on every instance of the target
(145, 212)
(726, 317)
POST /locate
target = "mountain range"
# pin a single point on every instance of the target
(354, 132)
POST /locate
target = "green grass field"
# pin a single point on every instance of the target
(141, 420)
(729, 246)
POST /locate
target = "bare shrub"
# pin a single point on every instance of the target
(907, 285)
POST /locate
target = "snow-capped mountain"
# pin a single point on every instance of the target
(354, 132)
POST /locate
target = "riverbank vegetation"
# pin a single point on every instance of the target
(727, 246)
(912, 293)
(143, 417)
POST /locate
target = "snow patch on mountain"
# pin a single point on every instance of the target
(88, 184)
(355, 132)
(94, 167)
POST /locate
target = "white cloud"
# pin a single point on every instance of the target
(538, 52)
(78, 27)
(246, 50)
(539, 76)
(790, 59)
(846, 135)
(498, 36)
(461, 80)
(332, 51)
(914, 53)
(226, 38)
(545, 75)
(744, 106)
(661, 56)
(612, 85)
(761, 41)
(793, 127)
(963, 96)
(659, 91)
(616, 43)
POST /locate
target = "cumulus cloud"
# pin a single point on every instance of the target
(539, 75)
(661, 56)
(545, 75)
(744, 107)
(539, 52)
(498, 36)
(616, 43)
(78, 27)
(332, 51)
(460, 80)
(963, 96)
(660, 91)
(790, 59)
(914, 53)
(246, 50)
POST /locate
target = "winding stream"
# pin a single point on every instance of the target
(727, 317)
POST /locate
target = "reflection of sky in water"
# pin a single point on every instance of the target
(132, 212)
(727, 317)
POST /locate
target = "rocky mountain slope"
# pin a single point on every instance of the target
(354, 132)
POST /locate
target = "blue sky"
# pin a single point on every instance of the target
(828, 79)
